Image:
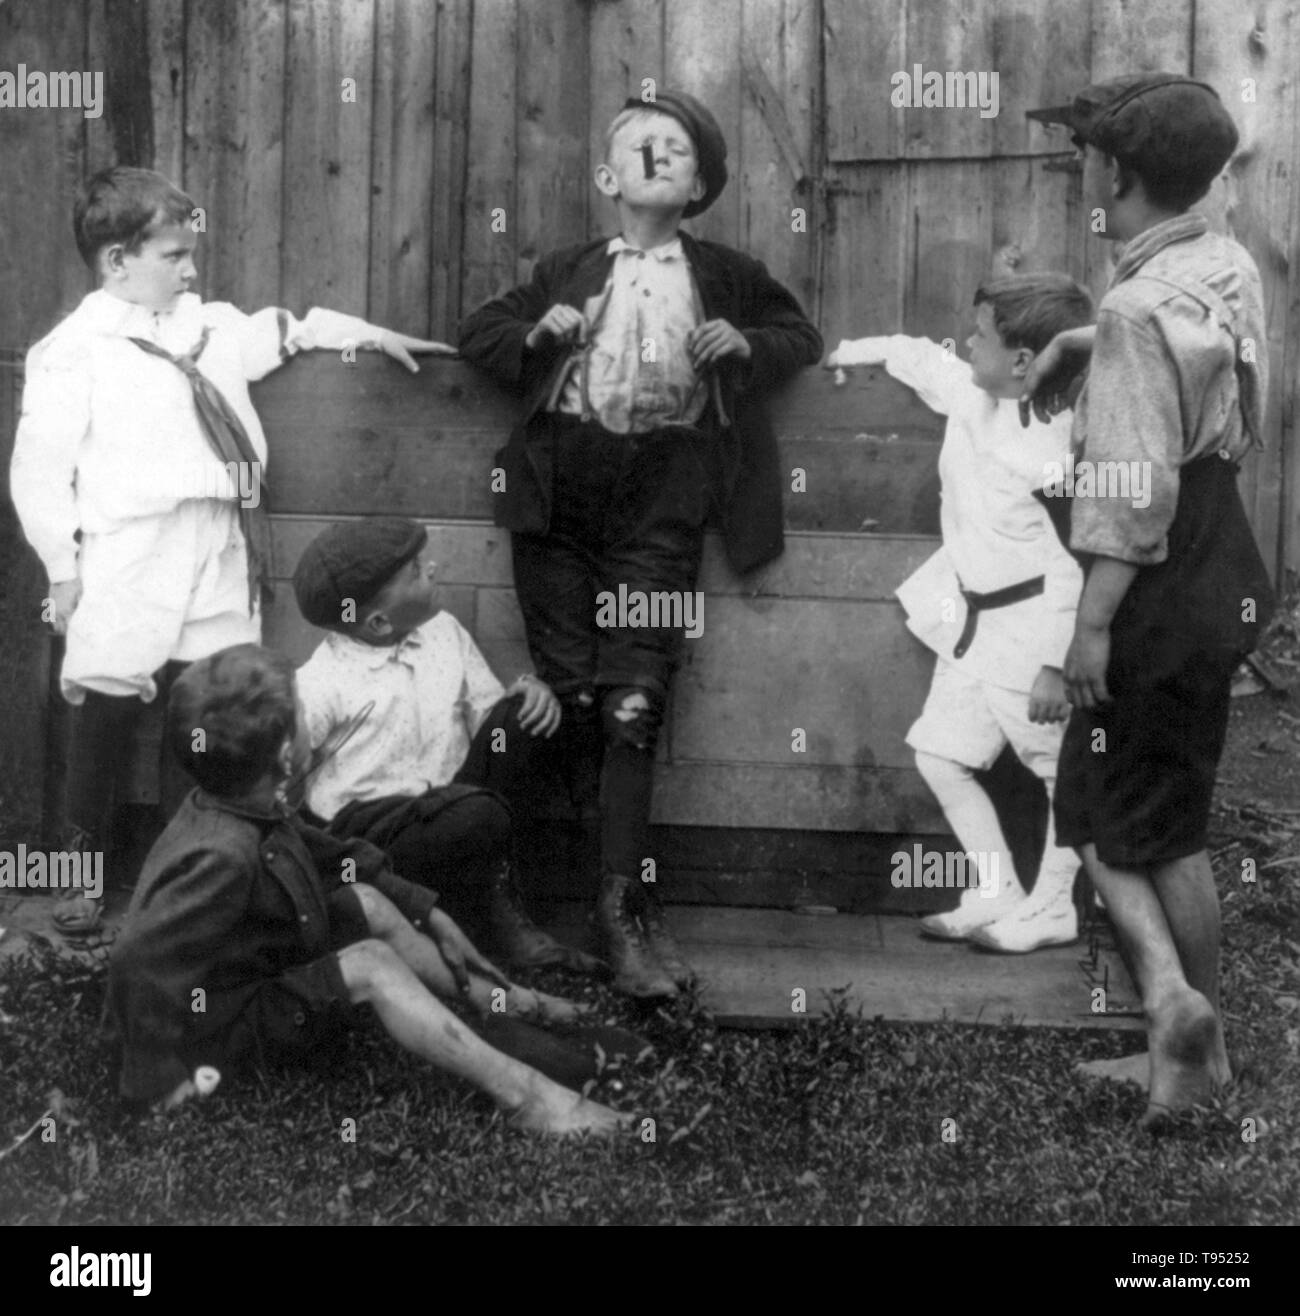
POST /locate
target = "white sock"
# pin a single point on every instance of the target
(974, 821)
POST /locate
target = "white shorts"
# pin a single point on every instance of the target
(156, 589)
(970, 722)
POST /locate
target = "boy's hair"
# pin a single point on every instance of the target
(1178, 190)
(1029, 310)
(242, 701)
(125, 205)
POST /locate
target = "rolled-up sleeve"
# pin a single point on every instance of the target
(1130, 433)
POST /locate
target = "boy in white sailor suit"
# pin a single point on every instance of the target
(137, 476)
(997, 602)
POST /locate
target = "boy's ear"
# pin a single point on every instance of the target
(111, 259)
(377, 624)
(605, 180)
(1024, 359)
(699, 187)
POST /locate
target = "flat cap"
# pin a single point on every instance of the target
(352, 560)
(1166, 125)
(710, 145)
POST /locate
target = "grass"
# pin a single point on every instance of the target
(838, 1120)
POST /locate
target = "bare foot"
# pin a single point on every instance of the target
(1184, 1031)
(525, 1003)
(1127, 1069)
(557, 1111)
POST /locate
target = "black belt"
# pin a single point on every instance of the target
(998, 598)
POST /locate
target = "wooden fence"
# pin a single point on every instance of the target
(407, 158)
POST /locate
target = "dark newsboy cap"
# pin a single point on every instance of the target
(1165, 125)
(710, 145)
(352, 560)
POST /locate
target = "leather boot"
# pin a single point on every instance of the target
(664, 944)
(637, 970)
(520, 942)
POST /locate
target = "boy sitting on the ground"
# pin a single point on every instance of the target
(429, 772)
(996, 602)
(138, 476)
(251, 932)
(643, 361)
(1176, 592)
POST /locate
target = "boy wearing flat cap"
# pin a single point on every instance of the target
(405, 714)
(642, 361)
(1175, 591)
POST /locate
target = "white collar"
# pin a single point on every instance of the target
(670, 250)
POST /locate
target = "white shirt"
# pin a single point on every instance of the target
(647, 309)
(995, 533)
(431, 693)
(109, 433)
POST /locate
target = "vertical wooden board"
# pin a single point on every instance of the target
(234, 147)
(402, 165)
(779, 65)
(954, 37)
(1140, 36)
(450, 139)
(1249, 56)
(864, 277)
(551, 115)
(1042, 54)
(42, 150)
(950, 245)
(489, 257)
(863, 48)
(117, 41)
(1133, 36)
(702, 56)
(327, 154)
(166, 35)
(625, 46)
(1037, 221)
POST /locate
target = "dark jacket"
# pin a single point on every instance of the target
(228, 901)
(744, 469)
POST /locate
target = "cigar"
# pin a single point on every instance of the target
(648, 159)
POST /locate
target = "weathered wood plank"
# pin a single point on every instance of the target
(1022, 33)
(551, 151)
(848, 683)
(864, 46)
(625, 45)
(488, 252)
(450, 154)
(955, 37)
(46, 146)
(376, 439)
(751, 962)
(41, 279)
(702, 56)
(117, 41)
(402, 166)
(166, 34)
(1242, 54)
(235, 92)
(857, 568)
(328, 100)
(778, 154)
(949, 247)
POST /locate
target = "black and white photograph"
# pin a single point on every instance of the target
(650, 613)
